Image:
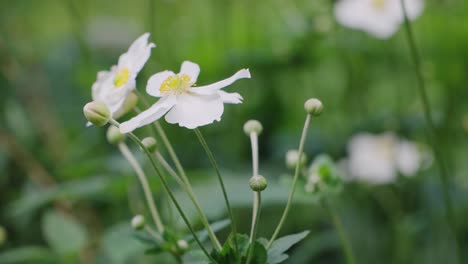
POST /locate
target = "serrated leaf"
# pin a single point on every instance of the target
(64, 234)
(281, 245)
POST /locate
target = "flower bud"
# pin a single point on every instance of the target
(182, 244)
(3, 236)
(258, 183)
(292, 158)
(253, 126)
(130, 102)
(138, 222)
(97, 113)
(313, 106)
(150, 144)
(114, 136)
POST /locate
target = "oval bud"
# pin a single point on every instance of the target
(130, 102)
(114, 136)
(97, 113)
(253, 126)
(313, 106)
(182, 244)
(138, 222)
(258, 183)
(292, 158)
(150, 144)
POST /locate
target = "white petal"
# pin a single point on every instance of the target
(209, 89)
(230, 98)
(191, 69)
(155, 81)
(194, 110)
(408, 158)
(137, 55)
(150, 115)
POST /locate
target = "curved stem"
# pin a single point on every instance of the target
(168, 190)
(345, 244)
(256, 218)
(144, 184)
(220, 179)
(293, 187)
(254, 145)
(187, 186)
(443, 173)
(168, 168)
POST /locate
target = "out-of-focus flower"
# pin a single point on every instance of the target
(184, 104)
(377, 159)
(112, 87)
(292, 158)
(380, 18)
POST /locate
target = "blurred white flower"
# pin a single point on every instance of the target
(112, 87)
(184, 104)
(377, 159)
(380, 18)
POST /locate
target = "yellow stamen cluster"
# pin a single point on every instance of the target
(121, 77)
(378, 4)
(176, 84)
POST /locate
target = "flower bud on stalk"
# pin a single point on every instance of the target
(97, 113)
(182, 244)
(313, 106)
(114, 136)
(138, 222)
(258, 183)
(292, 158)
(150, 144)
(253, 126)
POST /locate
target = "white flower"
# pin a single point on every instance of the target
(377, 159)
(112, 87)
(380, 18)
(185, 104)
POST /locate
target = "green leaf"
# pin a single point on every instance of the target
(118, 244)
(27, 255)
(195, 257)
(64, 234)
(259, 254)
(276, 253)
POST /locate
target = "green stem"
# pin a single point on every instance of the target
(144, 184)
(168, 168)
(293, 187)
(443, 173)
(168, 190)
(187, 186)
(345, 244)
(220, 179)
(256, 218)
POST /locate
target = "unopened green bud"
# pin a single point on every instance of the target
(3, 235)
(138, 222)
(182, 244)
(128, 105)
(114, 136)
(292, 158)
(253, 126)
(150, 144)
(313, 106)
(258, 183)
(97, 113)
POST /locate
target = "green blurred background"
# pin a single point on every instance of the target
(51, 50)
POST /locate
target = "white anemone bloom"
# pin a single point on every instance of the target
(112, 87)
(181, 102)
(380, 18)
(377, 159)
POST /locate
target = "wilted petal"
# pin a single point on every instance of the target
(209, 89)
(191, 69)
(155, 81)
(150, 115)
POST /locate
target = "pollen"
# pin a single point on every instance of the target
(176, 84)
(121, 77)
(378, 4)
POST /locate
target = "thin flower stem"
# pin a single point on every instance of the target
(345, 244)
(432, 133)
(168, 190)
(144, 184)
(187, 186)
(293, 187)
(154, 234)
(256, 218)
(220, 179)
(168, 168)
(254, 144)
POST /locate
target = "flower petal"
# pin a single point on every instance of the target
(230, 98)
(150, 115)
(194, 110)
(209, 89)
(191, 69)
(154, 83)
(137, 55)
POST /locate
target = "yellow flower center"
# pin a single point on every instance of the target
(176, 83)
(378, 4)
(121, 77)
